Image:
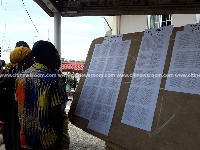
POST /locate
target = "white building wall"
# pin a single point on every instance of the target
(110, 22)
(132, 23)
(137, 23)
(183, 19)
(113, 22)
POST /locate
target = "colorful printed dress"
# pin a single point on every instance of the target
(41, 97)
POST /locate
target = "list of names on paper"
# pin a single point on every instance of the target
(103, 110)
(140, 96)
(143, 92)
(93, 80)
(186, 40)
(108, 60)
(187, 59)
(185, 81)
(192, 27)
(85, 104)
(148, 60)
(146, 77)
(185, 62)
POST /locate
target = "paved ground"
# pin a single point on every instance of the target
(81, 140)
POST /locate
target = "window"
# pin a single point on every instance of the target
(157, 21)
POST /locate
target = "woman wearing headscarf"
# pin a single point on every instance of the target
(22, 58)
(41, 98)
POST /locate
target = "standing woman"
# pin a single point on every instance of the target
(22, 58)
(42, 98)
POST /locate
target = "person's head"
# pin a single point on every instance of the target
(21, 56)
(22, 43)
(1, 67)
(3, 63)
(46, 54)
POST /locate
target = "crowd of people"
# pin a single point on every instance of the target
(32, 108)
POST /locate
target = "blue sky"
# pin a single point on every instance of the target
(77, 32)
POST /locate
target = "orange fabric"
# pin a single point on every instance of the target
(23, 139)
(20, 95)
(20, 90)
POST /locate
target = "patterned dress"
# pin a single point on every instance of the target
(41, 98)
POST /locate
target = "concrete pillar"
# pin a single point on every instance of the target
(116, 25)
(57, 31)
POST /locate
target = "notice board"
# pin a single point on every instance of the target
(176, 121)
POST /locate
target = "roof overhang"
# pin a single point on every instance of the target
(73, 8)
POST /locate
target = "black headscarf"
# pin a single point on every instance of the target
(22, 43)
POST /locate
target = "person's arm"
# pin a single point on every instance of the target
(65, 142)
(62, 98)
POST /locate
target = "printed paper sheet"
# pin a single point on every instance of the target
(103, 111)
(184, 71)
(143, 92)
(99, 94)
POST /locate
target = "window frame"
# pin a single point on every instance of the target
(151, 21)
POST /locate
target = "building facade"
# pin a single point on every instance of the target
(137, 23)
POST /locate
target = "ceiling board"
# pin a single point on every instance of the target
(120, 7)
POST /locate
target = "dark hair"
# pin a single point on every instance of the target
(46, 53)
(22, 43)
(3, 63)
